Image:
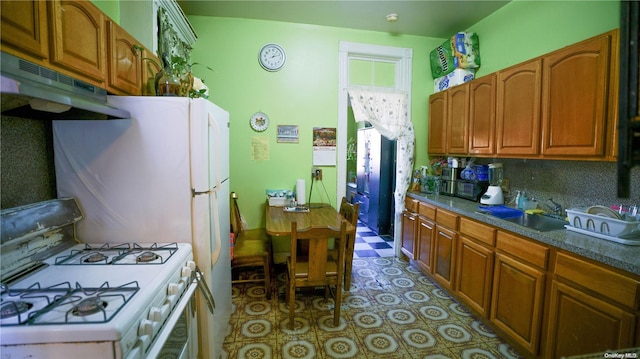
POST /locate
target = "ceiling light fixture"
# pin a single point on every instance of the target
(392, 17)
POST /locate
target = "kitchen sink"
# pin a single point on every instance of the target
(539, 222)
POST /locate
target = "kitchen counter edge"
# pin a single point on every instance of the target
(617, 255)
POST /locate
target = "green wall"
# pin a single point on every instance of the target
(110, 7)
(524, 29)
(304, 93)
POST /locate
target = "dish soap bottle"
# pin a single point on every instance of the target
(518, 199)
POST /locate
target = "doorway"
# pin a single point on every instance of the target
(369, 66)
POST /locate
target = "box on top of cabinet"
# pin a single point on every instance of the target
(457, 77)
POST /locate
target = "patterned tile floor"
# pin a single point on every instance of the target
(391, 311)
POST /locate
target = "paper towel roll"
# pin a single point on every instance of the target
(300, 192)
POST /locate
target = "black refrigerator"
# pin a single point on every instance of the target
(375, 179)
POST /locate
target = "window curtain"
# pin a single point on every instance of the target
(386, 110)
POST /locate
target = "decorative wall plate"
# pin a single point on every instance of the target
(259, 121)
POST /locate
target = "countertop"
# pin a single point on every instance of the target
(617, 255)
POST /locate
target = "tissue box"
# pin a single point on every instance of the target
(277, 201)
(457, 77)
(278, 197)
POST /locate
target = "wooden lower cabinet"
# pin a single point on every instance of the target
(444, 256)
(580, 323)
(546, 302)
(517, 300)
(426, 242)
(474, 275)
(409, 221)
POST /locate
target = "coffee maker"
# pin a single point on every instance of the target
(494, 191)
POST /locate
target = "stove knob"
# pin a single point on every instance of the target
(146, 328)
(191, 265)
(173, 289)
(155, 314)
(159, 314)
(186, 271)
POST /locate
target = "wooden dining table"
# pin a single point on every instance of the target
(319, 215)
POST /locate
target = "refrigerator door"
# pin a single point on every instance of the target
(210, 180)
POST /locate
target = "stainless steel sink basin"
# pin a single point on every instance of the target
(539, 222)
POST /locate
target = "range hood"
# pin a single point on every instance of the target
(31, 91)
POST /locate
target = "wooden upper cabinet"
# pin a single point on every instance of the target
(458, 120)
(24, 29)
(125, 67)
(482, 115)
(518, 109)
(150, 68)
(437, 123)
(574, 99)
(78, 39)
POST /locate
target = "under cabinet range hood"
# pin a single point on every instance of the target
(32, 91)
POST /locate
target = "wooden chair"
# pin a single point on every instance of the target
(350, 213)
(252, 248)
(319, 268)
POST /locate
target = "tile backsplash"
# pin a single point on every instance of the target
(570, 183)
(26, 161)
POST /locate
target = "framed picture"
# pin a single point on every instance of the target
(288, 133)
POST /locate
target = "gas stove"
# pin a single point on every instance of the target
(95, 300)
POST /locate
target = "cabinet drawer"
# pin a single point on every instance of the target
(427, 210)
(411, 204)
(521, 248)
(613, 285)
(477, 230)
(447, 219)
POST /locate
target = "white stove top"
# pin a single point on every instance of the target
(94, 293)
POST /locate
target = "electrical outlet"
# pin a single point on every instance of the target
(316, 173)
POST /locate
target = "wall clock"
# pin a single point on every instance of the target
(259, 121)
(272, 57)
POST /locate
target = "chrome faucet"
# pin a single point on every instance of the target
(556, 207)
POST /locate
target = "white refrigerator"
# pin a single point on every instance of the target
(160, 176)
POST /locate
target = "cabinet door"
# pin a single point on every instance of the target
(518, 109)
(580, 324)
(458, 120)
(444, 256)
(78, 39)
(150, 69)
(574, 99)
(124, 62)
(516, 301)
(474, 275)
(409, 220)
(24, 29)
(437, 123)
(426, 238)
(482, 115)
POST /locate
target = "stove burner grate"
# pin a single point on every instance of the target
(88, 306)
(95, 258)
(121, 254)
(147, 256)
(64, 304)
(14, 309)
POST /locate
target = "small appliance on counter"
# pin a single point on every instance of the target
(494, 195)
(470, 189)
(448, 180)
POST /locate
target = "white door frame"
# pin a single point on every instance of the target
(402, 58)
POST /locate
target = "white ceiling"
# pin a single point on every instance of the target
(430, 18)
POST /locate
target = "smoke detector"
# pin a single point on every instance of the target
(392, 17)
